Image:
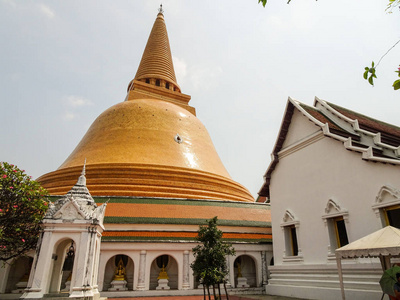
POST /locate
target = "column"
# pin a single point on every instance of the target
(185, 277)
(264, 268)
(231, 271)
(142, 271)
(78, 284)
(91, 261)
(228, 266)
(40, 272)
(97, 263)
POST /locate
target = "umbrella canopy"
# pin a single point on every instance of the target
(383, 242)
(388, 280)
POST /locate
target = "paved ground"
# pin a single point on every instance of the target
(233, 297)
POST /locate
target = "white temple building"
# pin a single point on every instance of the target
(333, 179)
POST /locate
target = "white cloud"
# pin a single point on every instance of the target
(68, 116)
(47, 11)
(77, 101)
(74, 104)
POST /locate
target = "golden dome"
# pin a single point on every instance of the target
(152, 144)
(148, 131)
(148, 148)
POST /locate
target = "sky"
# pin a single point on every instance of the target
(62, 63)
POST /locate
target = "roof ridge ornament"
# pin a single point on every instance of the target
(160, 10)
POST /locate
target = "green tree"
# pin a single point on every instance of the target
(209, 266)
(22, 207)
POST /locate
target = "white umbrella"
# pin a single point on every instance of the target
(384, 243)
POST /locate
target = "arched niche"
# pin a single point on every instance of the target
(245, 266)
(58, 276)
(171, 267)
(110, 269)
(18, 275)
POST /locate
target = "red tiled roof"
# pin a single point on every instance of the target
(390, 134)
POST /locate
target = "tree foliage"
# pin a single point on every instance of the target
(209, 266)
(396, 84)
(370, 72)
(22, 207)
(392, 4)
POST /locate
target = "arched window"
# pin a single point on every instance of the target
(387, 206)
(290, 228)
(335, 218)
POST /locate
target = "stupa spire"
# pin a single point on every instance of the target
(138, 145)
(156, 66)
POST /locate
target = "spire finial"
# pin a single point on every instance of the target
(84, 168)
(82, 178)
(156, 66)
(160, 10)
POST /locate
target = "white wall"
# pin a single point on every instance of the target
(304, 181)
(313, 169)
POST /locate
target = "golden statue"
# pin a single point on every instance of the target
(120, 271)
(163, 274)
(239, 267)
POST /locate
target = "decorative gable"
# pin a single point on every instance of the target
(387, 196)
(289, 219)
(71, 211)
(300, 128)
(77, 204)
(334, 209)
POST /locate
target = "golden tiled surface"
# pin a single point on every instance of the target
(157, 59)
(187, 212)
(144, 132)
(138, 90)
(131, 149)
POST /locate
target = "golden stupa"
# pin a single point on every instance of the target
(150, 145)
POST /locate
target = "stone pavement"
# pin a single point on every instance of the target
(233, 297)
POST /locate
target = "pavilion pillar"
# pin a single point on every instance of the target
(142, 271)
(264, 268)
(40, 272)
(228, 280)
(185, 283)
